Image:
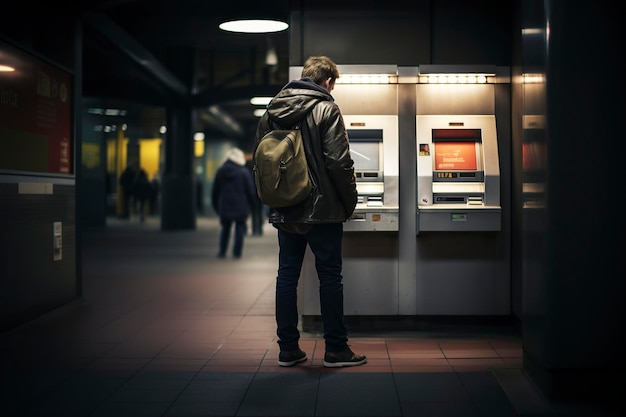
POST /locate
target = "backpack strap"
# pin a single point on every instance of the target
(272, 125)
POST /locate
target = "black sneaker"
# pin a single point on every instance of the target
(343, 358)
(291, 357)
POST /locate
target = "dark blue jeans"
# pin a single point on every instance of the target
(240, 232)
(325, 243)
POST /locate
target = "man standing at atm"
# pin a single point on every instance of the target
(318, 220)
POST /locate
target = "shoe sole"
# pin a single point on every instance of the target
(292, 363)
(342, 364)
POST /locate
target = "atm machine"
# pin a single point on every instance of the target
(462, 247)
(374, 150)
(368, 99)
(458, 173)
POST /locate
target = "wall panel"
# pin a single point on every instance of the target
(32, 282)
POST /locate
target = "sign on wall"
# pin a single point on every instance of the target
(35, 114)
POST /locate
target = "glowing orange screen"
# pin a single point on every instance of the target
(455, 156)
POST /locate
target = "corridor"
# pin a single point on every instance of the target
(164, 328)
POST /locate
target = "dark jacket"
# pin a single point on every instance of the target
(141, 186)
(127, 179)
(334, 196)
(233, 188)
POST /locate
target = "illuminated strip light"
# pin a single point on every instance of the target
(260, 101)
(367, 79)
(534, 78)
(454, 79)
(107, 112)
(254, 26)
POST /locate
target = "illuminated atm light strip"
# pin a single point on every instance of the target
(367, 79)
(455, 79)
(534, 78)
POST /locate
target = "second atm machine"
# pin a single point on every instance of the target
(462, 254)
(458, 173)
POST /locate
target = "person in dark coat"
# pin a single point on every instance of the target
(155, 187)
(232, 196)
(141, 192)
(126, 188)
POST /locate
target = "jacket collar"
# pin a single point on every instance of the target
(307, 84)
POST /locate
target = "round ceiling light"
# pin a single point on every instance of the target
(254, 26)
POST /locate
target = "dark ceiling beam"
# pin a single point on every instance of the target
(217, 96)
(216, 117)
(243, 74)
(135, 51)
(107, 4)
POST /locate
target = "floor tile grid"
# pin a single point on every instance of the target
(386, 355)
(149, 354)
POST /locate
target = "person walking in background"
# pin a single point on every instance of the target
(155, 186)
(318, 220)
(126, 187)
(232, 196)
(141, 192)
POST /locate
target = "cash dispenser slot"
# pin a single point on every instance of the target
(459, 199)
(459, 193)
(450, 199)
(375, 201)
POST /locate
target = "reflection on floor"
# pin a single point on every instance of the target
(164, 328)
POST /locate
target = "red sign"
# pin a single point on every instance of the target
(35, 114)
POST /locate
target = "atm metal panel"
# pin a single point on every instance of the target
(459, 220)
(378, 200)
(370, 276)
(461, 99)
(458, 199)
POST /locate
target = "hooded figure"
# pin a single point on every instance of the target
(316, 222)
(328, 155)
(232, 196)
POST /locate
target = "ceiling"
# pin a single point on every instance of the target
(165, 52)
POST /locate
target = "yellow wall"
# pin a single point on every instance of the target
(150, 155)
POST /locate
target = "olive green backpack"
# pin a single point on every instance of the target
(280, 169)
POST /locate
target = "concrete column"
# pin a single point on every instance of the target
(178, 184)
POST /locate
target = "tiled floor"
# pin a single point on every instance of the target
(166, 329)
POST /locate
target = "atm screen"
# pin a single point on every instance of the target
(365, 155)
(455, 156)
(455, 149)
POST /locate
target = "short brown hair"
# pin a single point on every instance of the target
(319, 69)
